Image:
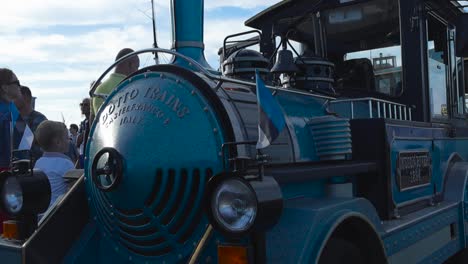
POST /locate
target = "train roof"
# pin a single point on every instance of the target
(294, 8)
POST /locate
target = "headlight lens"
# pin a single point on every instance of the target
(234, 205)
(12, 195)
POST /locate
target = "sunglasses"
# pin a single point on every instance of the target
(84, 104)
(14, 82)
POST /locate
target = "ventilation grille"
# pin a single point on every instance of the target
(332, 137)
(169, 218)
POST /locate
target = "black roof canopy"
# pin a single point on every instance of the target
(288, 13)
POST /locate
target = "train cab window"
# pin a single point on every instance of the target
(456, 76)
(367, 37)
(438, 65)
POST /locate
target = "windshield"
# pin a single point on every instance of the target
(363, 40)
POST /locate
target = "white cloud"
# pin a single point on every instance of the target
(58, 47)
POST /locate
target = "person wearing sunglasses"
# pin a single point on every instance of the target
(9, 91)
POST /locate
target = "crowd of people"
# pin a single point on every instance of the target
(53, 148)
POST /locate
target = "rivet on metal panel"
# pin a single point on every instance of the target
(116, 249)
(179, 256)
(161, 75)
(130, 258)
(215, 130)
(177, 81)
(220, 154)
(193, 92)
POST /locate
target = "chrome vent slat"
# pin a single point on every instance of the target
(332, 137)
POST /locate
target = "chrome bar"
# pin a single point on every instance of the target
(352, 110)
(378, 109)
(370, 108)
(384, 110)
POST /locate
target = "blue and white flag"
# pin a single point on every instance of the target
(27, 139)
(270, 117)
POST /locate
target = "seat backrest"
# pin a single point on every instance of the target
(356, 74)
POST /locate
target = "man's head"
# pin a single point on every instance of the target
(9, 85)
(73, 129)
(52, 136)
(85, 107)
(23, 103)
(129, 65)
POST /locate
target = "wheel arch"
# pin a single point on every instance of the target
(367, 240)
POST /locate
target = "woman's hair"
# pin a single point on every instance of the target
(5, 77)
(47, 132)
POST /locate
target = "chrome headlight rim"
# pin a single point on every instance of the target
(214, 184)
(6, 195)
(268, 198)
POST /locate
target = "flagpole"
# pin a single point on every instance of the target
(155, 43)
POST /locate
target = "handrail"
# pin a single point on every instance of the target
(191, 62)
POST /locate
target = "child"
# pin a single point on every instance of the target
(53, 139)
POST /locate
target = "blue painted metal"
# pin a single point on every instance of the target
(332, 137)
(401, 238)
(309, 222)
(10, 252)
(164, 214)
(187, 17)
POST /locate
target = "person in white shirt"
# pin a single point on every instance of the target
(53, 138)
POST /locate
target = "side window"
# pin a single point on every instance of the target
(437, 67)
(456, 77)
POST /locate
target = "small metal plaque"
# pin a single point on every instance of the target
(414, 169)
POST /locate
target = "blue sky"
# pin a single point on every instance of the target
(58, 47)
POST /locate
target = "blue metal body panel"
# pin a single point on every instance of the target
(147, 221)
(11, 252)
(299, 116)
(306, 223)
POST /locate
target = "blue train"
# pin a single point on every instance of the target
(370, 168)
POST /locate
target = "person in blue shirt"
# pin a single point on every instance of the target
(9, 91)
(9, 137)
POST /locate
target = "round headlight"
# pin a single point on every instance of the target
(237, 207)
(234, 205)
(12, 196)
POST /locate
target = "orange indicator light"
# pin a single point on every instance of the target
(232, 255)
(10, 229)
